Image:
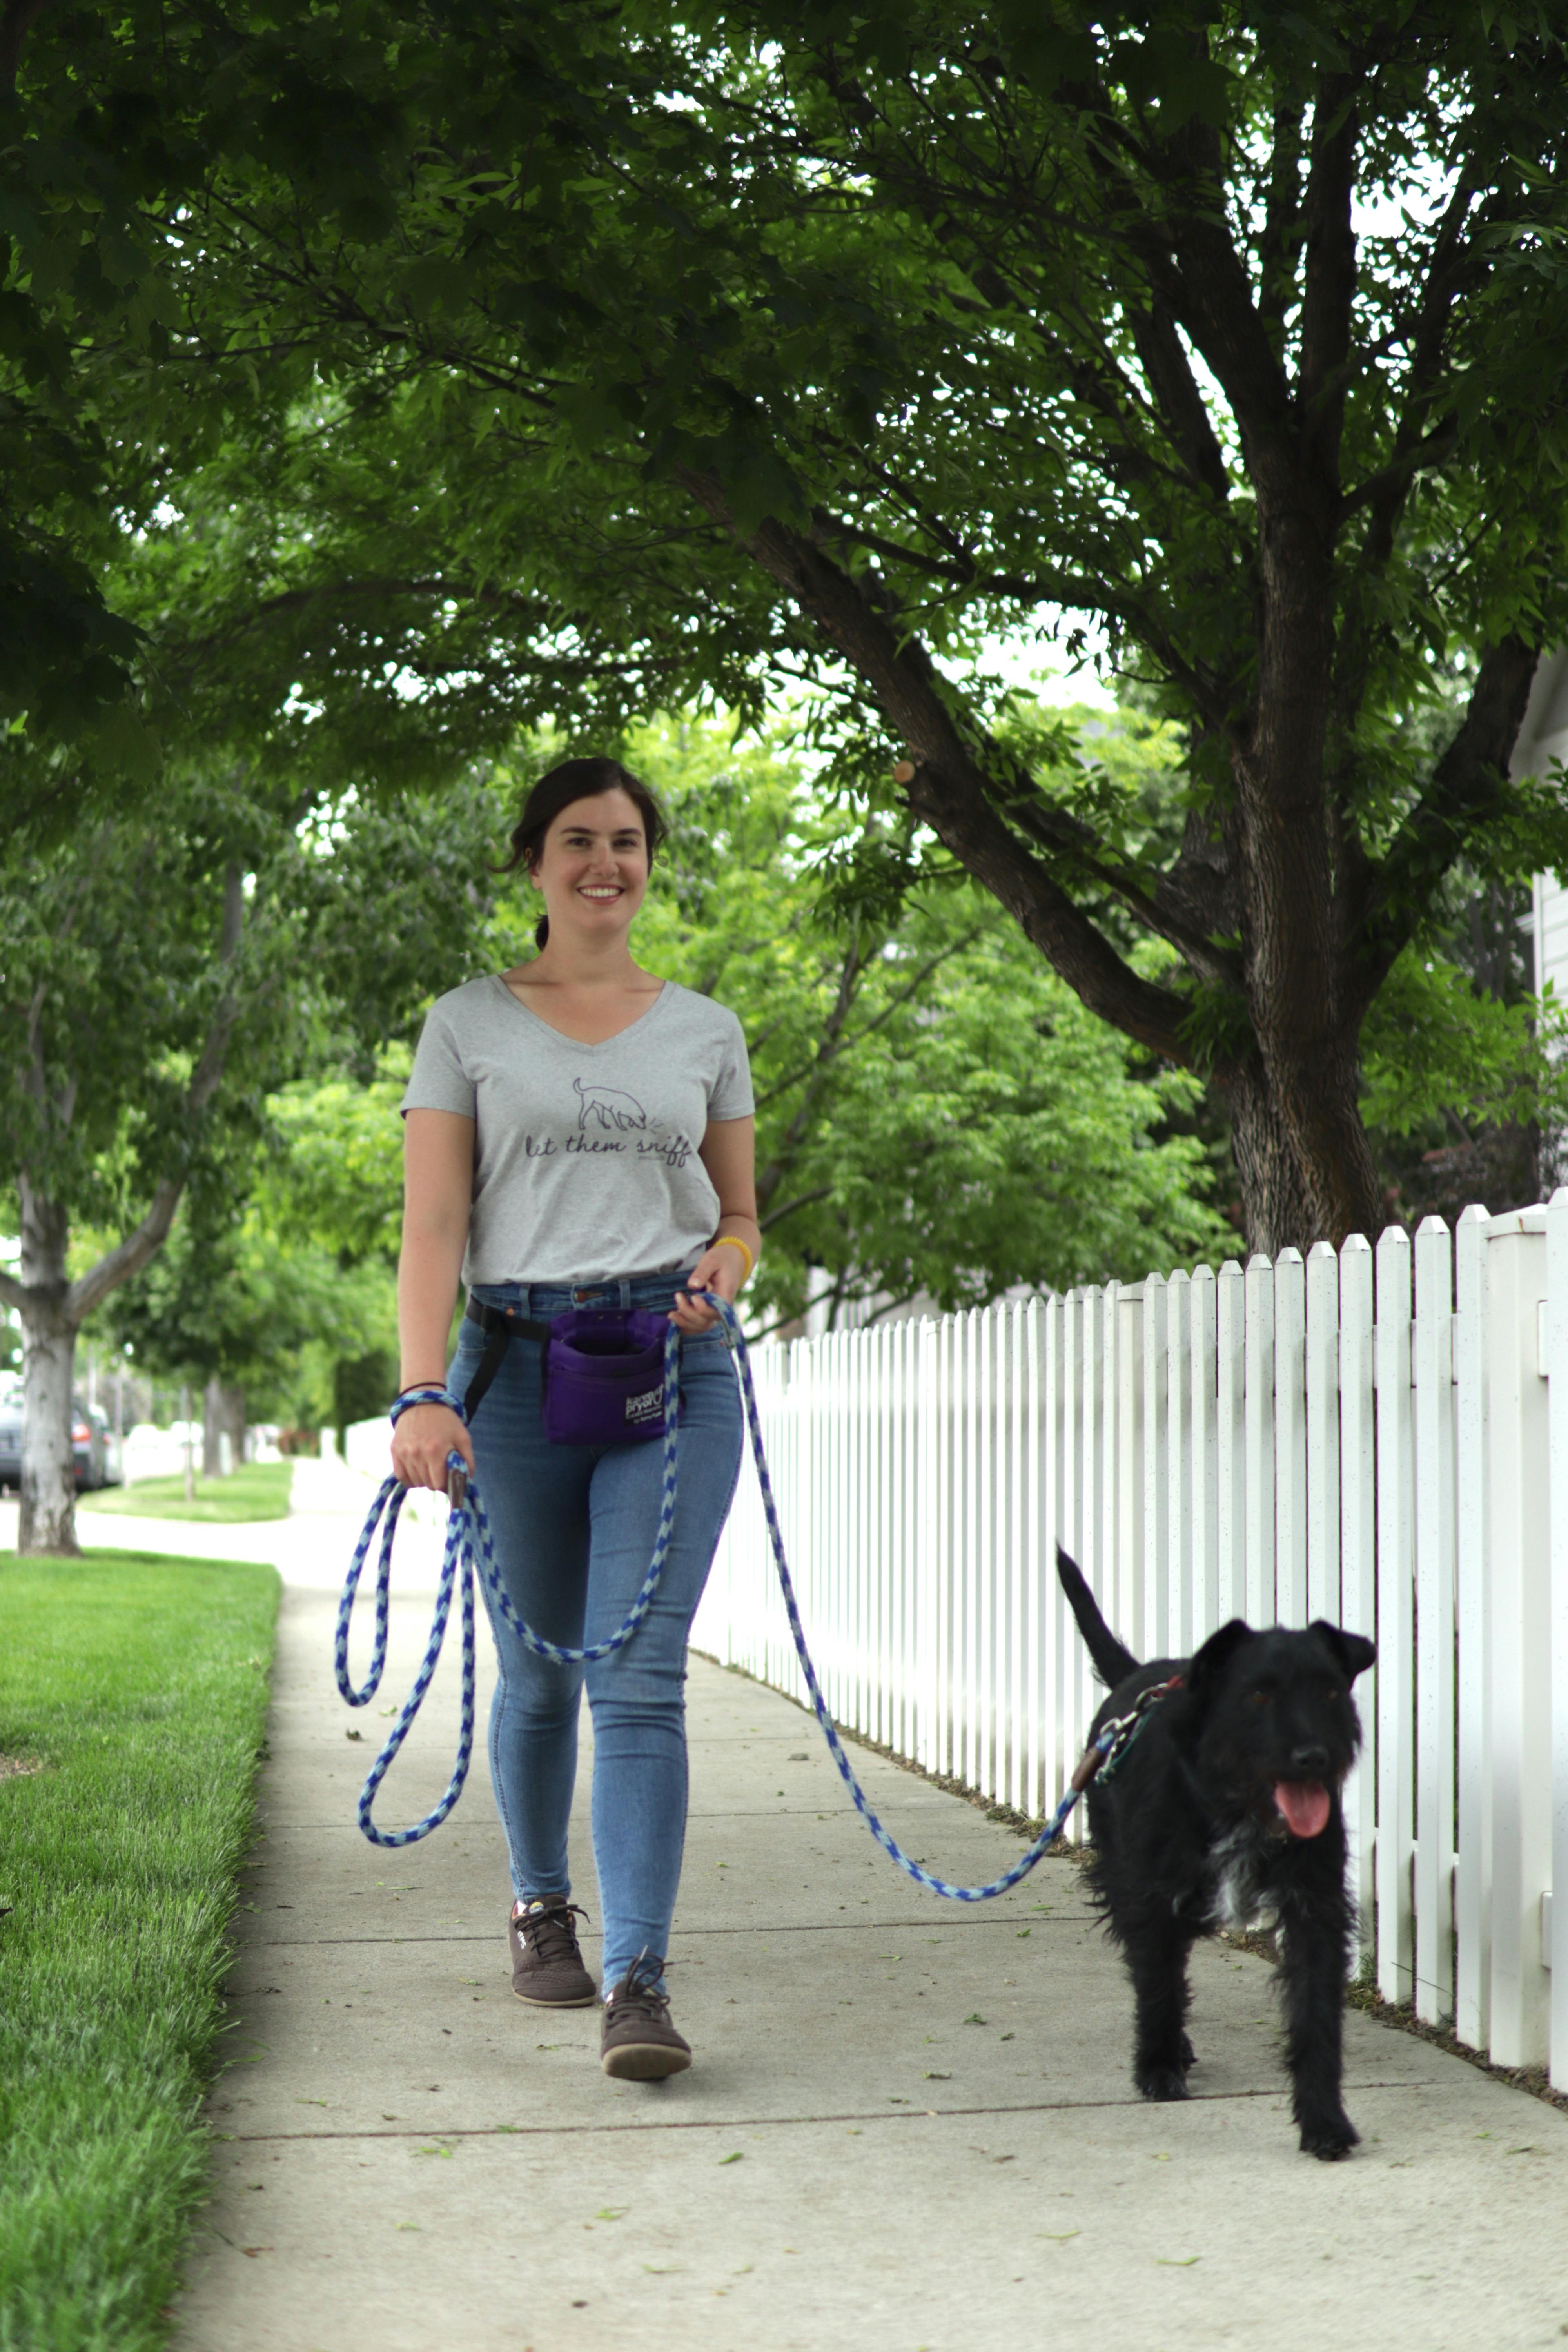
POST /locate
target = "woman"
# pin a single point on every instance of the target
(578, 1133)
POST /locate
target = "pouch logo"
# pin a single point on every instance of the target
(647, 1406)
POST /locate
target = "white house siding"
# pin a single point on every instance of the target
(1543, 738)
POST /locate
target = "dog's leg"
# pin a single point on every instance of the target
(1156, 1949)
(1315, 1943)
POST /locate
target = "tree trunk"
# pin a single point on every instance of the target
(233, 1419)
(212, 1430)
(1292, 1198)
(48, 1521)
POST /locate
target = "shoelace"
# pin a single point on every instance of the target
(637, 1992)
(551, 1933)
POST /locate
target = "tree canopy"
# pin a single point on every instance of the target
(827, 342)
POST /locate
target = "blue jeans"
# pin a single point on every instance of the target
(573, 1528)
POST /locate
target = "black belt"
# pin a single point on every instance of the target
(501, 1326)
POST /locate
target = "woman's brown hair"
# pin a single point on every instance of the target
(576, 780)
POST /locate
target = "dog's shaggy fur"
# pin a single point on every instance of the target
(1225, 1807)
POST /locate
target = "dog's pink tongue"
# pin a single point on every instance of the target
(1305, 1805)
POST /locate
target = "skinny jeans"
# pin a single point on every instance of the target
(574, 1528)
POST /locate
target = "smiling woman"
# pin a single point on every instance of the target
(578, 1141)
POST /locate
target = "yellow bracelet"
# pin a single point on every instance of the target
(736, 1242)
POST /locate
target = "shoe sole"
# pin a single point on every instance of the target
(537, 2000)
(644, 2061)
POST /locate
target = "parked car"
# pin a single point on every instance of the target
(94, 1450)
(91, 1444)
(11, 1435)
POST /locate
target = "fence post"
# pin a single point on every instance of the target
(1259, 1406)
(1230, 1445)
(1472, 1869)
(1557, 1407)
(1052, 1524)
(1086, 1690)
(928, 1541)
(1205, 1585)
(1039, 1569)
(1131, 1611)
(1156, 1489)
(1358, 1553)
(1178, 1578)
(1323, 1368)
(1433, 1369)
(1519, 1635)
(1395, 1956)
(1290, 1438)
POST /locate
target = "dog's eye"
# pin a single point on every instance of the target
(1258, 1697)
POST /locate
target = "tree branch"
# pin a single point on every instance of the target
(130, 1256)
(801, 1201)
(950, 791)
(1175, 390)
(846, 1045)
(1329, 289)
(1466, 785)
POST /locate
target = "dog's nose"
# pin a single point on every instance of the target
(1309, 1761)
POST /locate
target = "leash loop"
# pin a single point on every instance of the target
(470, 1543)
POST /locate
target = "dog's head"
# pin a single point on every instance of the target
(1275, 1726)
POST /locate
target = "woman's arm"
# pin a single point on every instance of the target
(438, 1196)
(727, 1151)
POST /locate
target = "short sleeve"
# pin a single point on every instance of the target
(439, 1080)
(730, 1095)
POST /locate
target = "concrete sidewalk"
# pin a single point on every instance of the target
(908, 2124)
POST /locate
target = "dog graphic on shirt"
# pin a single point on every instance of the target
(609, 1107)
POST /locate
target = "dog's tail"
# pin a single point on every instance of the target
(1113, 1661)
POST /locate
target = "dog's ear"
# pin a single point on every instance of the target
(1211, 1661)
(1353, 1650)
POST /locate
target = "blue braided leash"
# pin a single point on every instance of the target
(468, 1540)
(1094, 1759)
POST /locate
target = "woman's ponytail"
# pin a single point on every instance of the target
(542, 930)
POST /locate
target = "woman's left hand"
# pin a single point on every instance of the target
(717, 1269)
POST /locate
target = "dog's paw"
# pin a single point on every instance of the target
(1163, 2082)
(1329, 2139)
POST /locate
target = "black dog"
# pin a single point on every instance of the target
(1226, 1804)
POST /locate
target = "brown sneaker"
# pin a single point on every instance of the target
(637, 2043)
(546, 1965)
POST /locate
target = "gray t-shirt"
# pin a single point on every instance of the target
(584, 1156)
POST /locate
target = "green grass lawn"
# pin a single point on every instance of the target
(254, 1490)
(140, 1684)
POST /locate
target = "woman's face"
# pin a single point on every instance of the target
(593, 866)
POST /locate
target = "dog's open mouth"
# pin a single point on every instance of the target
(1305, 1806)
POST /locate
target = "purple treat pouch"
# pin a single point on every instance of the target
(604, 1377)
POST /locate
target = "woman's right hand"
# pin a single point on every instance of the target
(421, 1441)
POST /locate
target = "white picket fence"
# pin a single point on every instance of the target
(1368, 1436)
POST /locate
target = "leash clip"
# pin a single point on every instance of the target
(457, 1481)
